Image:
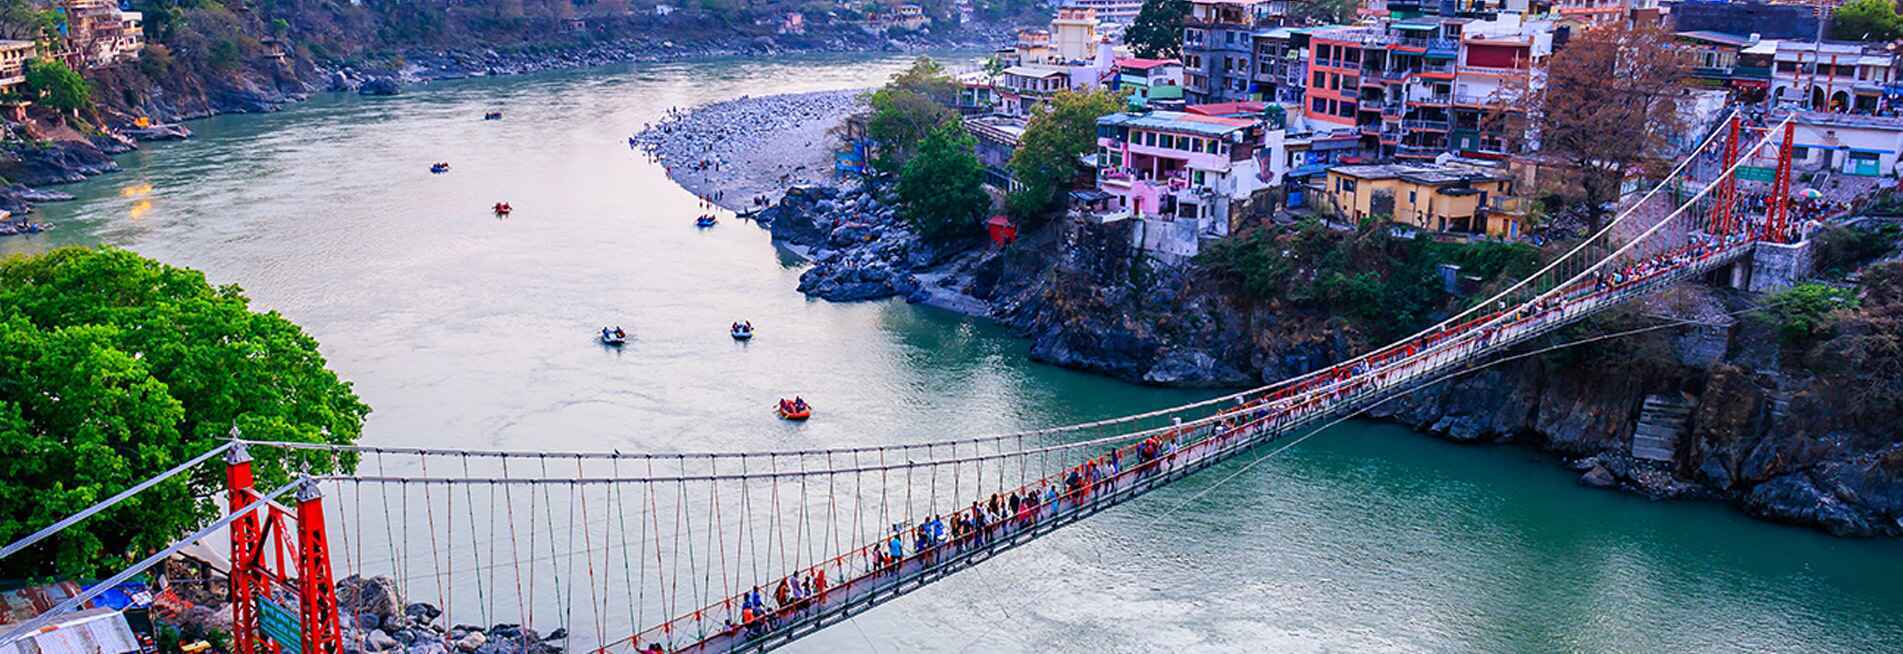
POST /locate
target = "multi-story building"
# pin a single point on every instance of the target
(1219, 47)
(1020, 88)
(1074, 34)
(1121, 12)
(1424, 86)
(1188, 177)
(13, 58)
(1834, 77)
(1281, 64)
(98, 33)
(1587, 13)
(1039, 66)
(1449, 197)
(1149, 79)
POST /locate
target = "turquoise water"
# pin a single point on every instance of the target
(468, 331)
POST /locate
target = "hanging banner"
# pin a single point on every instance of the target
(280, 625)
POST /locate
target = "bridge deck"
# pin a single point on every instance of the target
(704, 631)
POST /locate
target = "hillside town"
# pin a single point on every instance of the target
(1263, 113)
(1657, 242)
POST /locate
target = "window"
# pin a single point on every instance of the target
(1800, 153)
(1321, 80)
(1315, 105)
(1167, 142)
(1345, 185)
(1410, 196)
(1195, 145)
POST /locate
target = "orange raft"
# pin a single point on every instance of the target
(789, 412)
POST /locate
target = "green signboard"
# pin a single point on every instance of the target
(280, 624)
(1757, 174)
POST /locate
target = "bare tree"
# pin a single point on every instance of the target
(1606, 113)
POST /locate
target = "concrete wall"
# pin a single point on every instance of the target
(1777, 266)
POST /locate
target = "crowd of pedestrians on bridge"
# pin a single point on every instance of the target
(1009, 513)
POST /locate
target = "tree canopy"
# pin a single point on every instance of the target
(1866, 20)
(1608, 111)
(1157, 32)
(57, 86)
(1058, 132)
(113, 368)
(941, 191)
(907, 108)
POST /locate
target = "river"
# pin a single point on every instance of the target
(465, 330)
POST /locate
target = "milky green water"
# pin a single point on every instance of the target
(467, 331)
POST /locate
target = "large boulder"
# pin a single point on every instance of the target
(1181, 367)
(373, 597)
(57, 162)
(1794, 497)
(381, 86)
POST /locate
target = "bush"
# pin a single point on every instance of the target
(155, 61)
(225, 55)
(1806, 312)
(1386, 286)
(1839, 250)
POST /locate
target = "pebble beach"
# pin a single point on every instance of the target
(749, 147)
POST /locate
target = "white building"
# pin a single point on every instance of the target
(1840, 77)
(1187, 177)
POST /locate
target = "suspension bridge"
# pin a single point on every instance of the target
(750, 551)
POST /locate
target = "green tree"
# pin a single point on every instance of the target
(927, 78)
(57, 86)
(114, 367)
(1866, 20)
(907, 108)
(900, 120)
(1157, 32)
(941, 190)
(1058, 132)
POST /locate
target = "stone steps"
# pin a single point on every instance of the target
(1662, 419)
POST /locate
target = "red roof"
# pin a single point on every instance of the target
(1226, 108)
(1000, 220)
(1135, 63)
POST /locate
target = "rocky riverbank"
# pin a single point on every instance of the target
(749, 148)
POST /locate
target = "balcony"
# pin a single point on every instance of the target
(1512, 205)
(1422, 123)
(1486, 101)
(1433, 100)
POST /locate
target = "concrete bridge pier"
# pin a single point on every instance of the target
(1772, 267)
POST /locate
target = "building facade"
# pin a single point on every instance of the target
(1450, 197)
(1219, 47)
(1186, 177)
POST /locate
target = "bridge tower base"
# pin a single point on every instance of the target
(1776, 266)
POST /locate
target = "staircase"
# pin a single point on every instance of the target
(1661, 420)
